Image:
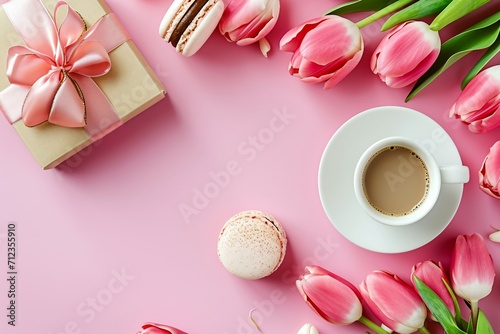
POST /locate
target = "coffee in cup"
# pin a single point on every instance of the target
(397, 181)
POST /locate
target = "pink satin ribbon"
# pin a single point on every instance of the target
(51, 77)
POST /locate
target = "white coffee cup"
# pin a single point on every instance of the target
(397, 181)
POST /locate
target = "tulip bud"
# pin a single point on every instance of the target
(394, 302)
(489, 175)
(325, 49)
(249, 21)
(152, 328)
(332, 297)
(495, 236)
(432, 274)
(478, 105)
(308, 329)
(405, 53)
(472, 270)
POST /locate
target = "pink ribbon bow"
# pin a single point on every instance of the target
(56, 67)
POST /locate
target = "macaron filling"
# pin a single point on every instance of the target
(186, 20)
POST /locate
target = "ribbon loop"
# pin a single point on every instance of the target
(58, 63)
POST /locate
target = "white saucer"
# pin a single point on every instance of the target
(336, 177)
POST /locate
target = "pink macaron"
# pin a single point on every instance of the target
(188, 24)
(252, 244)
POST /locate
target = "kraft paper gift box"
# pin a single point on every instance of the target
(130, 86)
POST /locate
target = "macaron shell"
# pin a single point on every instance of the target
(172, 17)
(201, 28)
(252, 244)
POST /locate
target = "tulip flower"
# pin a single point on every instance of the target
(308, 329)
(152, 328)
(249, 21)
(433, 274)
(325, 49)
(394, 302)
(405, 53)
(478, 105)
(489, 175)
(331, 296)
(472, 270)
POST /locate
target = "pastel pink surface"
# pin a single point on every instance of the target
(102, 242)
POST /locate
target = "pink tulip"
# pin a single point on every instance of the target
(479, 103)
(248, 21)
(432, 274)
(472, 270)
(325, 49)
(152, 328)
(489, 175)
(405, 53)
(394, 302)
(332, 297)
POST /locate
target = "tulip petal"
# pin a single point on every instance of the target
(403, 51)
(344, 71)
(413, 75)
(489, 175)
(433, 274)
(38, 102)
(479, 103)
(394, 302)
(292, 39)
(239, 13)
(336, 38)
(308, 329)
(495, 236)
(153, 328)
(260, 26)
(493, 165)
(472, 270)
(264, 46)
(329, 295)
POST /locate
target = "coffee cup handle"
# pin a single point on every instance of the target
(454, 174)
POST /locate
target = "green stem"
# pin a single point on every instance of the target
(423, 330)
(474, 306)
(371, 325)
(383, 12)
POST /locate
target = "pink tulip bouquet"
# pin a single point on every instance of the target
(406, 307)
(327, 48)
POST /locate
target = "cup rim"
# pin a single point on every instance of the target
(434, 183)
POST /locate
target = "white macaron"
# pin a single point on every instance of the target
(252, 244)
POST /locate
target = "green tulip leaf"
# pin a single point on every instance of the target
(455, 10)
(478, 37)
(359, 6)
(437, 307)
(481, 63)
(470, 328)
(483, 325)
(419, 9)
(462, 324)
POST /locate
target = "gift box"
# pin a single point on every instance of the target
(69, 75)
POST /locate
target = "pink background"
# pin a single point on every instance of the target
(114, 209)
